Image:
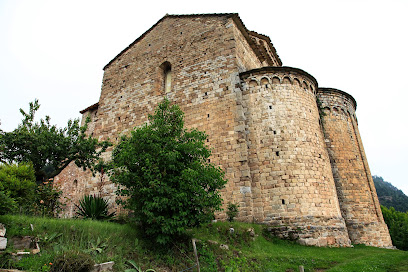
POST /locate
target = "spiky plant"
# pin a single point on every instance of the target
(93, 207)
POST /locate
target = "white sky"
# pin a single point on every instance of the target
(55, 51)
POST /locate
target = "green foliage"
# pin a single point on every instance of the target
(61, 235)
(96, 247)
(390, 196)
(17, 187)
(45, 239)
(72, 261)
(48, 148)
(232, 211)
(165, 176)
(47, 200)
(397, 223)
(7, 204)
(245, 253)
(94, 207)
(18, 181)
(136, 268)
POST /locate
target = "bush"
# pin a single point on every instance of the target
(165, 175)
(47, 200)
(18, 181)
(232, 211)
(17, 187)
(7, 204)
(397, 223)
(94, 207)
(72, 261)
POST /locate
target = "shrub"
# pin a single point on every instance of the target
(397, 225)
(7, 204)
(165, 175)
(47, 200)
(18, 181)
(17, 187)
(94, 207)
(232, 211)
(72, 261)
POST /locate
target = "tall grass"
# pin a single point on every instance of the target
(121, 240)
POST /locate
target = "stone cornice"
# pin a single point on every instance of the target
(336, 91)
(281, 69)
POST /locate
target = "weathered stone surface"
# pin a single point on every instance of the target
(264, 125)
(3, 243)
(108, 266)
(357, 195)
(2, 230)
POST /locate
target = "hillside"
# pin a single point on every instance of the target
(389, 195)
(222, 246)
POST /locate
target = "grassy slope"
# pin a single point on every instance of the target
(245, 253)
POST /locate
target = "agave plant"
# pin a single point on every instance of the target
(93, 207)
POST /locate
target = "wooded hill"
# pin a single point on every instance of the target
(390, 196)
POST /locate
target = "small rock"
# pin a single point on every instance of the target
(2, 230)
(213, 242)
(103, 267)
(3, 243)
(226, 247)
(251, 232)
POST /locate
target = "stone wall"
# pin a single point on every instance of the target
(291, 178)
(357, 196)
(263, 123)
(203, 52)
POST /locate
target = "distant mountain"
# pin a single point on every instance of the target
(389, 195)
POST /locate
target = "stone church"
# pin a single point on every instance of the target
(291, 150)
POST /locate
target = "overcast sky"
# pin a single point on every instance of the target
(55, 51)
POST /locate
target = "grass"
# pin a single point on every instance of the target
(107, 241)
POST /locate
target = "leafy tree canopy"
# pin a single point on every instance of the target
(165, 175)
(397, 223)
(48, 148)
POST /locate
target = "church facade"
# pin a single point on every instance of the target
(292, 152)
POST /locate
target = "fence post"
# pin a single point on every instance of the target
(195, 253)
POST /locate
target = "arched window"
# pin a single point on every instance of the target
(167, 74)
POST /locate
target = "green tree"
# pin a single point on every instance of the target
(397, 223)
(164, 173)
(48, 148)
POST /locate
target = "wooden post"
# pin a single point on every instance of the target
(195, 253)
(301, 268)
